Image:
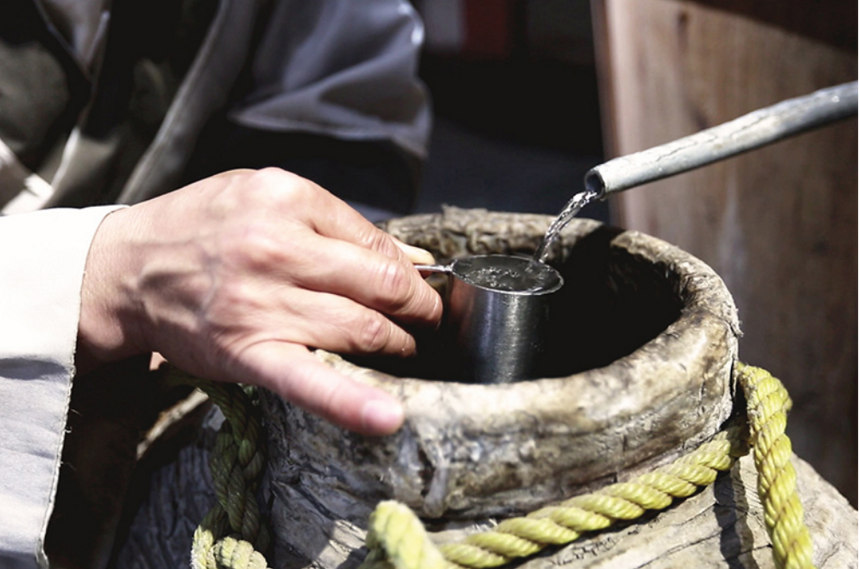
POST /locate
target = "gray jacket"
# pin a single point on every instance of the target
(123, 102)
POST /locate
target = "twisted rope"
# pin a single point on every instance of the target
(232, 534)
(768, 403)
(397, 538)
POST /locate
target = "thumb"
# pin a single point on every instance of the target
(291, 371)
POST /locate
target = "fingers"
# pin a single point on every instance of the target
(333, 323)
(416, 255)
(344, 223)
(288, 195)
(299, 377)
(336, 267)
(316, 241)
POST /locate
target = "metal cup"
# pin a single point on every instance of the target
(497, 315)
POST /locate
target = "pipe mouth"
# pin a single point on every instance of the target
(595, 183)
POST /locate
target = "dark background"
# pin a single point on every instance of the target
(517, 120)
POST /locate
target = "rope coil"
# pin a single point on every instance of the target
(232, 535)
(768, 403)
(397, 539)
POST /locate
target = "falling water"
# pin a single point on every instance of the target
(573, 207)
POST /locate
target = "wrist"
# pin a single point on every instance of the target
(109, 324)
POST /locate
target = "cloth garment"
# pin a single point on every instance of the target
(118, 101)
(178, 81)
(41, 269)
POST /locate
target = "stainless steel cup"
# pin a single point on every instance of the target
(497, 315)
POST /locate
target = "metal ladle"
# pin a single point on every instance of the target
(497, 315)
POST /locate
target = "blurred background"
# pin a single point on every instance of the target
(514, 88)
(529, 94)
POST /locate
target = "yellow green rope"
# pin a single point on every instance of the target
(232, 534)
(768, 403)
(397, 538)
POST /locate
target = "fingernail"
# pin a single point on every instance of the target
(381, 417)
(416, 255)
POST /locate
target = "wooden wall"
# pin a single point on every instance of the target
(778, 224)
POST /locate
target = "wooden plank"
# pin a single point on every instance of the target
(779, 224)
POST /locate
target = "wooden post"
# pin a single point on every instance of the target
(778, 224)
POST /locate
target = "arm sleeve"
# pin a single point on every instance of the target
(331, 93)
(340, 68)
(42, 259)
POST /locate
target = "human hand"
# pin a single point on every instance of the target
(234, 277)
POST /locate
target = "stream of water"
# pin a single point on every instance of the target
(573, 207)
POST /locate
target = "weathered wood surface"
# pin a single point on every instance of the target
(471, 453)
(778, 224)
(719, 528)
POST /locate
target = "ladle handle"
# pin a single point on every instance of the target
(434, 268)
(747, 132)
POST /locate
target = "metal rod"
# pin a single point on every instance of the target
(747, 132)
